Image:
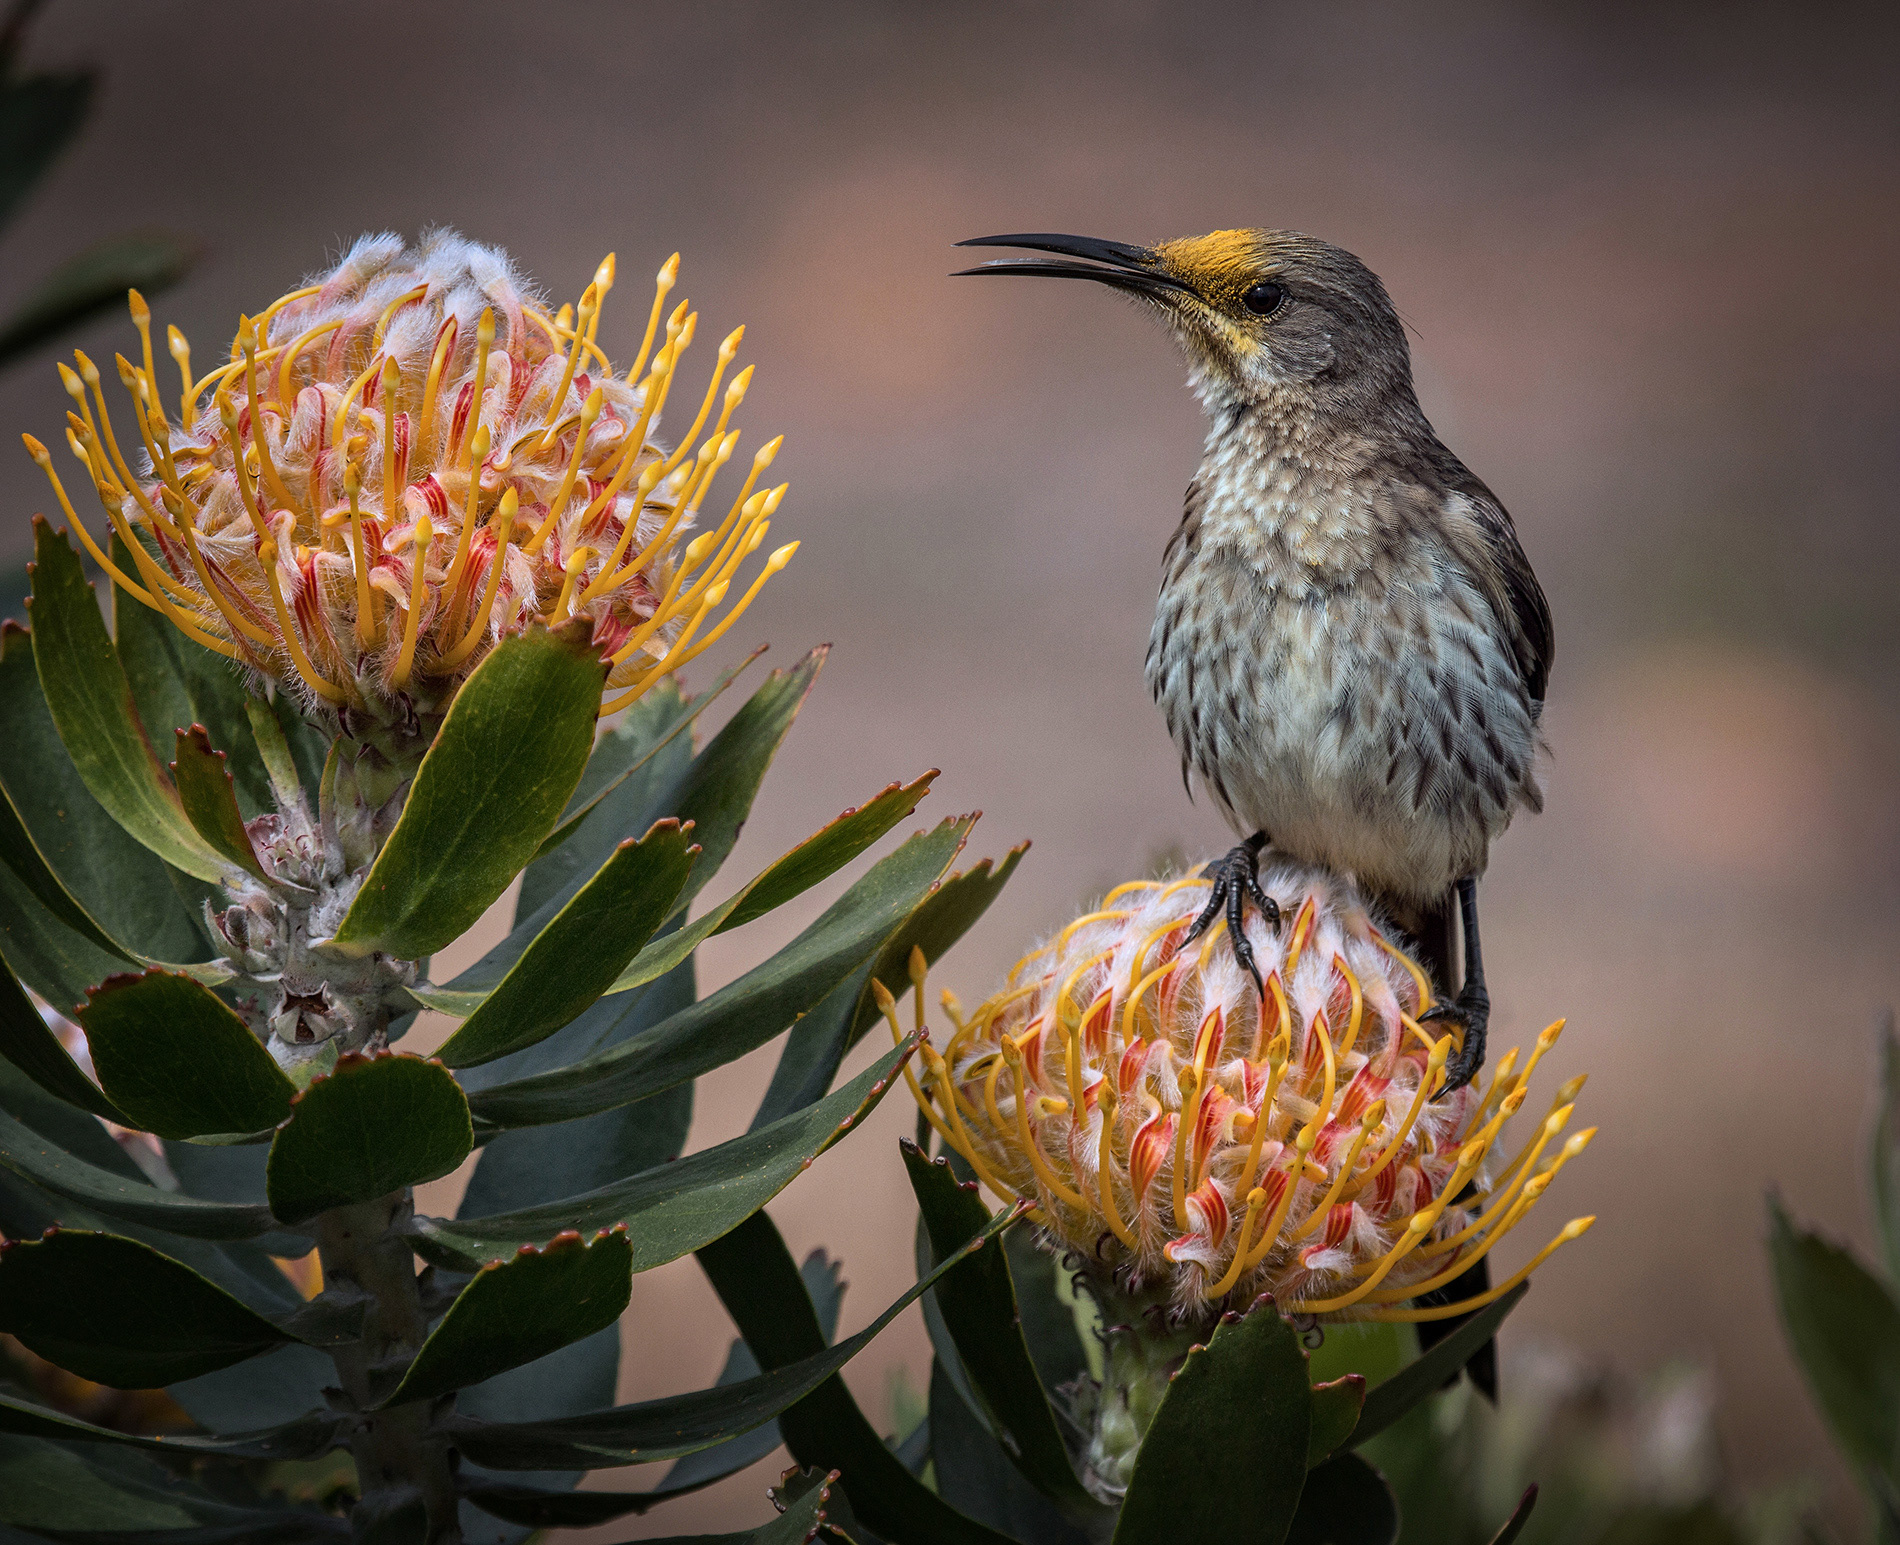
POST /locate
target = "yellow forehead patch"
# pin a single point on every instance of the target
(1215, 262)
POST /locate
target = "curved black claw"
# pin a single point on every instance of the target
(1236, 882)
(1472, 1014)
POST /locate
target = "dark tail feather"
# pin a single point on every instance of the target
(1435, 940)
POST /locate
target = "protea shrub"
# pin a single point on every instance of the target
(399, 588)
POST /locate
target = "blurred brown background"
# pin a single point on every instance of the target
(1650, 263)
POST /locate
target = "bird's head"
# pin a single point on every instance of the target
(1261, 315)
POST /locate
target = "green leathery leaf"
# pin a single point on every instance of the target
(175, 1058)
(29, 1044)
(514, 1310)
(490, 787)
(32, 1157)
(644, 731)
(371, 1125)
(755, 1278)
(575, 958)
(1336, 1407)
(22, 855)
(745, 1013)
(1346, 1502)
(122, 885)
(1248, 1385)
(1844, 1328)
(1387, 1401)
(118, 1312)
(978, 1304)
(313, 1433)
(675, 1208)
(210, 800)
(653, 1430)
(91, 703)
(820, 1040)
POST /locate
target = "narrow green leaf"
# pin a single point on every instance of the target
(823, 1281)
(575, 958)
(1225, 1456)
(1336, 1407)
(653, 1430)
(47, 956)
(371, 1125)
(745, 1013)
(978, 1303)
(820, 1040)
(1520, 1515)
(81, 1498)
(517, 1309)
(33, 1158)
(118, 1312)
(975, 1476)
(178, 1061)
(643, 733)
(1844, 1328)
(91, 703)
(756, 1280)
(489, 789)
(122, 885)
(1346, 1502)
(93, 280)
(22, 855)
(820, 855)
(1388, 1401)
(678, 1207)
(210, 800)
(29, 1044)
(310, 1434)
(273, 752)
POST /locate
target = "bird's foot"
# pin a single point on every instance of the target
(1471, 1013)
(1236, 882)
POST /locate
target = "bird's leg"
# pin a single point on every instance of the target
(1236, 881)
(1472, 1009)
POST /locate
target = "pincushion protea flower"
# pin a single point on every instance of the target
(1193, 1141)
(409, 458)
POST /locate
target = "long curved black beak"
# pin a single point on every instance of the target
(1115, 263)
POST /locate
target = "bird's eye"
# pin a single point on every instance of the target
(1263, 299)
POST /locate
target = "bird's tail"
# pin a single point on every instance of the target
(1434, 933)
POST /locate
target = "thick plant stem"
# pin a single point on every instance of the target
(407, 1475)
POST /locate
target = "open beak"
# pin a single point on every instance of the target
(1137, 269)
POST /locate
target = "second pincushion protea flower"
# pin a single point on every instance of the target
(1196, 1143)
(1191, 1144)
(408, 459)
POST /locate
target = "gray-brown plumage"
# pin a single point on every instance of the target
(1350, 647)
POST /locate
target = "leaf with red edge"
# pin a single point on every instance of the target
(210, 799)
(178, 1061)
(537, 1301)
